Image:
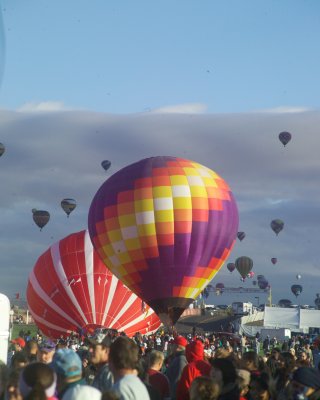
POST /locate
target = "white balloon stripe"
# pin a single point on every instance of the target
(55, 254)
(133, 322)
(130, 301)
(112, 290)
(88, 251)
(43, 295)
(43, 321)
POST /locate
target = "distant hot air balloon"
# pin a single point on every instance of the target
(284, 137)
(261, 277)
(277, 225)
(284, 303)
(254, 283)
(296, 290)
(40, 217)
(106, 164)
(274, 260)
(317, 301)
(231, 267)
(263, 284)
(2, 149)
(68, 205)
(250, 274)
(298, 276)
(82, 294)
(244, 265)
(241, 235)
(164, 226)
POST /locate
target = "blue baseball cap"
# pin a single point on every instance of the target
(67, 363)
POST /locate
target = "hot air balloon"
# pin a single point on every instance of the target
(40, 217)
(274, 260)
(106, 164)
(277, 225)
(261, 277)
(241, 235)
(284, 303)
(82, 294)
(2, 149)
(263, 284)
(68, 205)
(164, 226)
(244, 265)
(231, 267)
(298, 276)
(254, 283)
(284, 137)
(250, 274)
(296, 290)
(317, 301)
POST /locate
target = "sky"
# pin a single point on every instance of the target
(214, 82)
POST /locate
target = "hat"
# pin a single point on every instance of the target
(100, 338)
(67, 363)
(47, 346)
(82, 392)
(307, 376)
(21, 342)
(244, 375)
(180, 341)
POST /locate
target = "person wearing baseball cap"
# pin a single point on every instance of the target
(177, 364)
(46, 351)
(19, 343)
(100, 347)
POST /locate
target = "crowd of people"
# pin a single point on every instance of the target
(111, 366)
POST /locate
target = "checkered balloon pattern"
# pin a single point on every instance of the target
(164, 226)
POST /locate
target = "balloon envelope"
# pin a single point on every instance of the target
(284, 303)
(284, 137)
(241, 235)
(298, 276)
(244, 265)
(231, 267)
(164, 226)
(277, 225)
(82, 294)
(296, 290)
(40, 217)
(2, 149)
(106, 164)
(68, 205)
(274, 260)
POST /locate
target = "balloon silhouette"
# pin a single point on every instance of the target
(277, 226)
(296, 290)
(274, 260)
(2, 149)
(40, 217)
(106, 164)
(284, 137)
(164, 226)
(244, 265)
(68, 205)
(82, 294)
(231, 267)
(241, 236)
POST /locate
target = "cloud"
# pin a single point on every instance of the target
(44, 106)
(285, 110)
(51, 156)
(191, 108)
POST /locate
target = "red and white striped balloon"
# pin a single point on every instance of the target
(71, 290)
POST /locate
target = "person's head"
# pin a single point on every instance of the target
(100, 348)
(243, 381)
(275, 354)
(156, 359)
(195, 351)
(260, 387)
(18, 343)
(123, 356)
(180, 343)
(82, 392)
(19, 360)
(250, 361)
(31, 347)
(68, 366)
(227, 369)
(46, 351)
(305, 380)
(302, 356)
(204, 388)
(287, 361)
(37, 382)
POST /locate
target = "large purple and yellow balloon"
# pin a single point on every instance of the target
(164, 226)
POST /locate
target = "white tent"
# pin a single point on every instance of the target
(292, 318)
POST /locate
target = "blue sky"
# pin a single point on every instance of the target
(125, 56)
(211, 81)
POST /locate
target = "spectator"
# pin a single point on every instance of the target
(243, 382)
(31, 350)
(123, 359)
(83, 392)
(177, 364)
(46, 351)
(204, 388)
(196, 366)
(18, 343)
(223, 369)
(261, 387)
(37, 382)
(68, 367)
(100, 359)
(156, 379)
(306, 382)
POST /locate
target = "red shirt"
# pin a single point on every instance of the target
(160, 382)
